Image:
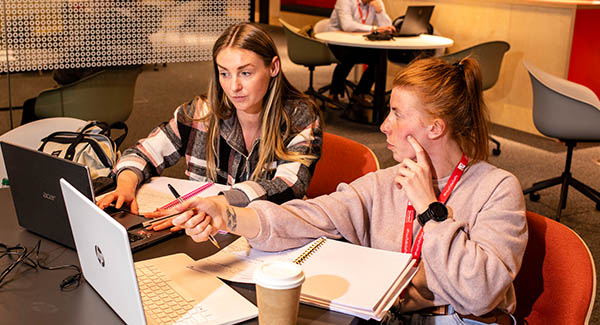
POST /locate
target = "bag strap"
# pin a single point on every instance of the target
(80, 137)
(70, 153)
(73, 139)
(102, 125)
(120, 126)
(97, 149)
(55, 136)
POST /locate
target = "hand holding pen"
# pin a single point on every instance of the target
(194, 211)
(159, 220)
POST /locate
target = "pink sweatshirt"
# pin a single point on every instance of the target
(469, 260)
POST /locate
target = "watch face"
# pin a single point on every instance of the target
(440, 213)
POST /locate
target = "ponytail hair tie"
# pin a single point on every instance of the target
(458, 65)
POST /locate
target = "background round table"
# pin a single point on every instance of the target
(421, 42)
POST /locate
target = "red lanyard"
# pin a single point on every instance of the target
(410, 211)
(362, 19)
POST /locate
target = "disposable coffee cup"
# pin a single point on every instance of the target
(278, 286)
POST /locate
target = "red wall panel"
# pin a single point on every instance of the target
(311, 3)
(584, 65)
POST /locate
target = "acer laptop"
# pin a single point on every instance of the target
(38, 201)
(160, 290)
(416, 21)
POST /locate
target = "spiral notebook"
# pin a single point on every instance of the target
(340, 276)
(352, 279)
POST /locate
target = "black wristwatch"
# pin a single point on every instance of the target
(437, 212)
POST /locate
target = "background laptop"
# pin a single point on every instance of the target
(416, 21)
(107, 265)
(38, 201)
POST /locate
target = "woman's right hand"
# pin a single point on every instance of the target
(123, 194)
(218, 200)
(201, 217)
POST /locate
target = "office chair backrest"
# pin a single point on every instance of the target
(342, 160)
(563, 109)
(557, 280)
(321, 26)
(104, 96)
(489, 55)
(304, 50)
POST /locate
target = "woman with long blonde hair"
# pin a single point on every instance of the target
(255, 131)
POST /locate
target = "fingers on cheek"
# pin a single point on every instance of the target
(398, 180)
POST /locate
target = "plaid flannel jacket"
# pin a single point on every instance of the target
(183, 137)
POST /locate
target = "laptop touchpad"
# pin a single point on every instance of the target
(127, 219)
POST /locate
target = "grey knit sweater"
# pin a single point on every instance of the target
(469, 260)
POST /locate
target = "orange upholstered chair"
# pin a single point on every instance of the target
(557, 281)
(342, 160)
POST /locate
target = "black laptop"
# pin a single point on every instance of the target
(415, 22)
(34, 184)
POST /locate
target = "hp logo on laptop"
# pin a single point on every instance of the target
(99, 255)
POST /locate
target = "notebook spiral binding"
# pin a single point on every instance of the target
(309, 251)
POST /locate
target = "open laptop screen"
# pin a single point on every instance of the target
(416, 21)
(36, 192)
(38, 201)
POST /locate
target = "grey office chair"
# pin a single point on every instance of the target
(321, 26)
(489, 55)
(310, 53)
(571, 113)
(104, 96)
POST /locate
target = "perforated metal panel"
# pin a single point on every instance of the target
(53, 34)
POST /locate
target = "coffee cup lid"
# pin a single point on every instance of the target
(279, 275)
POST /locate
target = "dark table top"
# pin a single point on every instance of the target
(31, 296)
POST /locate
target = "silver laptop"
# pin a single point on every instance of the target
(152, 291)
(34, 176)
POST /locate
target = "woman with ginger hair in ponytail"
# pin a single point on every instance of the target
(461, 217)
(255, 131)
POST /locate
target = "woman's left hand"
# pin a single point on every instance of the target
(415, 178)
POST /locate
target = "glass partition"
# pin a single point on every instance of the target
(43, 35)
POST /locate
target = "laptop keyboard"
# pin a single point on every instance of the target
(164, 304)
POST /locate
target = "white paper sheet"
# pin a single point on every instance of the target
(237, 261)
(155, 194)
